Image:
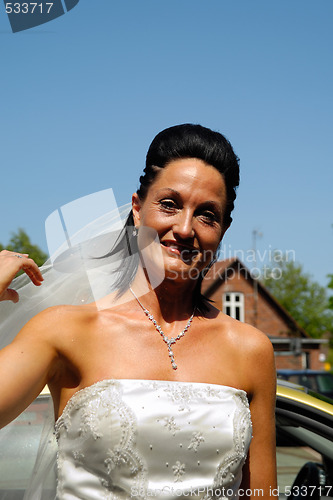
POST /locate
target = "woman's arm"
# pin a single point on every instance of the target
(26, 364)
(259, 474)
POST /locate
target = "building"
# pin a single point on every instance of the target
(234, 291)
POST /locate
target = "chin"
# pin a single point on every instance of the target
(182, 273)
(173, 268)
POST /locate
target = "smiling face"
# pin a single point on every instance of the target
(185, 206)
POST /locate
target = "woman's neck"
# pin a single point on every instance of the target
(168, 302)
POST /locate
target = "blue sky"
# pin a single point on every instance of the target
(83, 96)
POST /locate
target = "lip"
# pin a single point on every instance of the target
(177, 248)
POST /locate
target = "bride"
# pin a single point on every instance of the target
(156, 393)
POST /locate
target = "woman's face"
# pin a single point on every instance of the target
(185, 206)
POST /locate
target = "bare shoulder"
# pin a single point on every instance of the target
(257, 350)
(257, 357)
(249, 349)
(253, 340)
(66, 313)
(56, 319)
(245, 336)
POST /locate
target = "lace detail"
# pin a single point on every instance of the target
(178, 471)
(135, 439)
(89, 423)
(78, 456)
(99, 402)
(234, 460)
(184, 394)
(171, 425)
(197, 438)
(119, 456)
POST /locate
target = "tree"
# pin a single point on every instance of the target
(330, 285)
(20, 242)
(304, 299)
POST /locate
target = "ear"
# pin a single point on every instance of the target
(136, 206)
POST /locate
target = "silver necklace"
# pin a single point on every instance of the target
(172, 340)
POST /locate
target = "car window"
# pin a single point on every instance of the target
(308, 381)
(325, 383)
(296, 447)
(290, 460)
(303, 438)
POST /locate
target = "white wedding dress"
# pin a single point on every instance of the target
(140, 439)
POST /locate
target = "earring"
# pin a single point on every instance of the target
(135, 231)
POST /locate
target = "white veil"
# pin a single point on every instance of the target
(74, 240)
(87, 247)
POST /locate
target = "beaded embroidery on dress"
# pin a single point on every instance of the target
(140, 439)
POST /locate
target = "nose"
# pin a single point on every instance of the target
(183, 227)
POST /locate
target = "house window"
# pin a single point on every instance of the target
(233, 305)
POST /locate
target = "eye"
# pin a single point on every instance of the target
(168, 204)
(209, 217)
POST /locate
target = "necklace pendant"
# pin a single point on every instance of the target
(172, 340)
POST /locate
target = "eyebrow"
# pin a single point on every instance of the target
(174, 191)
(211, 203)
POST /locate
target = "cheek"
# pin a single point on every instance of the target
(149, 215)
(208, 250)
(156, 220)
(211, 238)
(147, 237)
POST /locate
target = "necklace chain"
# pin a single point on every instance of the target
(172, 340)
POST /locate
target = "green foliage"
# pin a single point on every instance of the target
(20, 242)
(304, 299)
(330, 285)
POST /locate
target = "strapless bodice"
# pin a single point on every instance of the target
(140, 439)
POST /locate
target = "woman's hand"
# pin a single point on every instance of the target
(10, 264)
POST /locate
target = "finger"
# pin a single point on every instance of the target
(33, 272)
(10, 294)
(13, 254)
(27, 265)
(30, 267)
